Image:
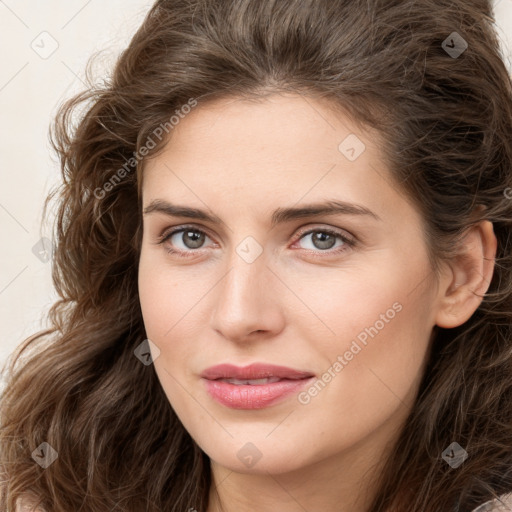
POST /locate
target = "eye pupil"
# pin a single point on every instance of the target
(319, 237)
(196, 236)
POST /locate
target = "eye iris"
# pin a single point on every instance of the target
(319, 237)
(197, 239)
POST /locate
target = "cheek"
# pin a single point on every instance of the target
(153, 301)
(164, 310)
(380, 322)
(162, 296)
(380, 303)
(171, 304)
(376, 359)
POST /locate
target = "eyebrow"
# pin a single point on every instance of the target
(280, 215)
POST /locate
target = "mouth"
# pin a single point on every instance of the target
(255, 386)
(255, 371)
(252, 382)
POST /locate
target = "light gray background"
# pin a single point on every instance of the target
(32, 84)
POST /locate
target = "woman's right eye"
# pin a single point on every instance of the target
(189, 238)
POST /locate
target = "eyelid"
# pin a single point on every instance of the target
(344, 234)
(348, 239)
(167, 233)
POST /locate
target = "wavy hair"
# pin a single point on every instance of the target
(446, 121)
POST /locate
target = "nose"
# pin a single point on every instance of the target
(247, 301)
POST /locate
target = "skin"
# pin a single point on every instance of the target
(240, 160)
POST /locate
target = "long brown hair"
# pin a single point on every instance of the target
(430, 76)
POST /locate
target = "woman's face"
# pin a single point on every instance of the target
(345, 298)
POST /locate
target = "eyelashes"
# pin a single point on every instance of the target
(332, 236)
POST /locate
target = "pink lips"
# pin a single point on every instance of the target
(253, 395)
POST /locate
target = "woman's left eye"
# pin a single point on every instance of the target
(321, 240)
(325, 239)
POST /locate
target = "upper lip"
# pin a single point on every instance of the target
(253, 371)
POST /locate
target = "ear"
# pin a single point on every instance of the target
(469, 276)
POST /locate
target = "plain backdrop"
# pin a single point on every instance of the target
(44, 50)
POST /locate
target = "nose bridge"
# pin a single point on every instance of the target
(244, 301)
(240, 287)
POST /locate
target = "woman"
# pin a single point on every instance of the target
(284, 261)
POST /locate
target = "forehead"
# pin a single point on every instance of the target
(291, 126)
(269, 153)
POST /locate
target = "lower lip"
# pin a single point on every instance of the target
(247, 396)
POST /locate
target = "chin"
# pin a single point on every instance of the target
(258, 458)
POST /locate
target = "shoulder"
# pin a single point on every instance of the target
(503, 504)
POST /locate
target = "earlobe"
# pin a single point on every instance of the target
(462, 292)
